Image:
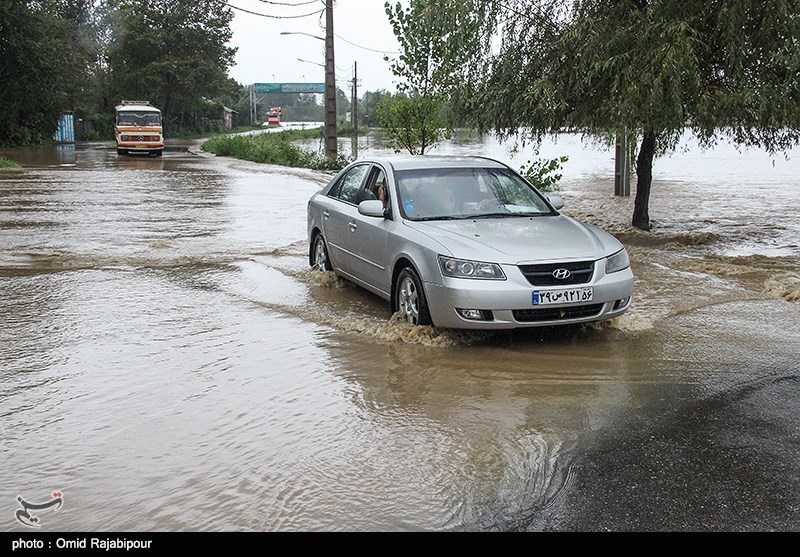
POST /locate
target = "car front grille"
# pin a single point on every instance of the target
(556, 313)
(580, 272)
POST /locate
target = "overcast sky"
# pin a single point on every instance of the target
(265, 56)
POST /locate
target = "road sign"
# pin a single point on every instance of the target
(302, 87)
(267, 87)
(289, 87)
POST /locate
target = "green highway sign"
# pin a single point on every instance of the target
(267, 87)
(302, 87)
(289, 87)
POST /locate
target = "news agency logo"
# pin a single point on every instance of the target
(27, 518)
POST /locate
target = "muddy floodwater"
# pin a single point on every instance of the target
(169, 362)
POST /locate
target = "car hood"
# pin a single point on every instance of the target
(519, 240)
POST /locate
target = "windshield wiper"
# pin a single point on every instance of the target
(494, 215)
(443, 217)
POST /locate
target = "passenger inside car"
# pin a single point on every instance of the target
(378, 190)
(423, 204)
(381, 192)
(449, 202)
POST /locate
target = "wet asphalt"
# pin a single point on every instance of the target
(727, 462)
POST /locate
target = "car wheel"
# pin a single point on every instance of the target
(410, 298)
(122, 151)
(321, 260)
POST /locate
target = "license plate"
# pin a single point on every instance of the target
(563, 296)
(141, 146)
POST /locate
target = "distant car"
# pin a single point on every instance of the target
(465, 243)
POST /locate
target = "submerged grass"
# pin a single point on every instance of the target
(274, 148)
(5, 163)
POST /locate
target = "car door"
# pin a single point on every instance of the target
(369, 237)
(338, 213)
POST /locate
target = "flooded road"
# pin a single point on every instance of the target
(169, 362)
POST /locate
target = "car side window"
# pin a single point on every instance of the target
(349, 184)
(375, 186)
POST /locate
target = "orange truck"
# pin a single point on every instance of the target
(138, 128)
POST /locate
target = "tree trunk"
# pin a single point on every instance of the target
(644, 178)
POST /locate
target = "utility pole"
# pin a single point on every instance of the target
(252, 106)
(331, 148)
(622, 176)
(354, 111)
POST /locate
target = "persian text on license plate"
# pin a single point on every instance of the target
(563, 296)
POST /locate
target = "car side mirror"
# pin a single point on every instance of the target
(371, 208)
(556, 201)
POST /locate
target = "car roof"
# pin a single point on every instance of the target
(419, 162)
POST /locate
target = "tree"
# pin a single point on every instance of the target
(43, 66)
(295, 107)
(411, 123)
(653, 68)
(368, 107)
(342, 104)
(173, 53)
(425, 69)
(307, 109)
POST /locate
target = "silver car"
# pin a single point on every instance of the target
(465, 243)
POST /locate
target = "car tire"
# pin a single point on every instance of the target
(320, 254)
(409, 298)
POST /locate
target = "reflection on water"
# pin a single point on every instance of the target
(162, 327)
(66, 154)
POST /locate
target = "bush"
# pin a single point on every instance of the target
(5, 163)
(273, 148)
(543, 173)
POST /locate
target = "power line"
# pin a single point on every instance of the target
(366, 48)
(289, 3)
(271, 16)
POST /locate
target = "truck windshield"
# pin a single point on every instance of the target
(129, 118)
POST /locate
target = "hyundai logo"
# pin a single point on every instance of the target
(561, 274)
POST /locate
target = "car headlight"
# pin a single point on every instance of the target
(618, 261)
(463, 268)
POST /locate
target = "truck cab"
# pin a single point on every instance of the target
(138, 128)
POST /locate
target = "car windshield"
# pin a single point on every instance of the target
(466, 193)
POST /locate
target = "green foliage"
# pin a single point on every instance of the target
(544, 173)
(174, 54)
(650, 68)
(294, 108)
(86, 56)
(102, 125)
(5, 163)
(368, 107)
(431, 53)
(345, 129)
(274, 148)
(42, 67)
(412, 123)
